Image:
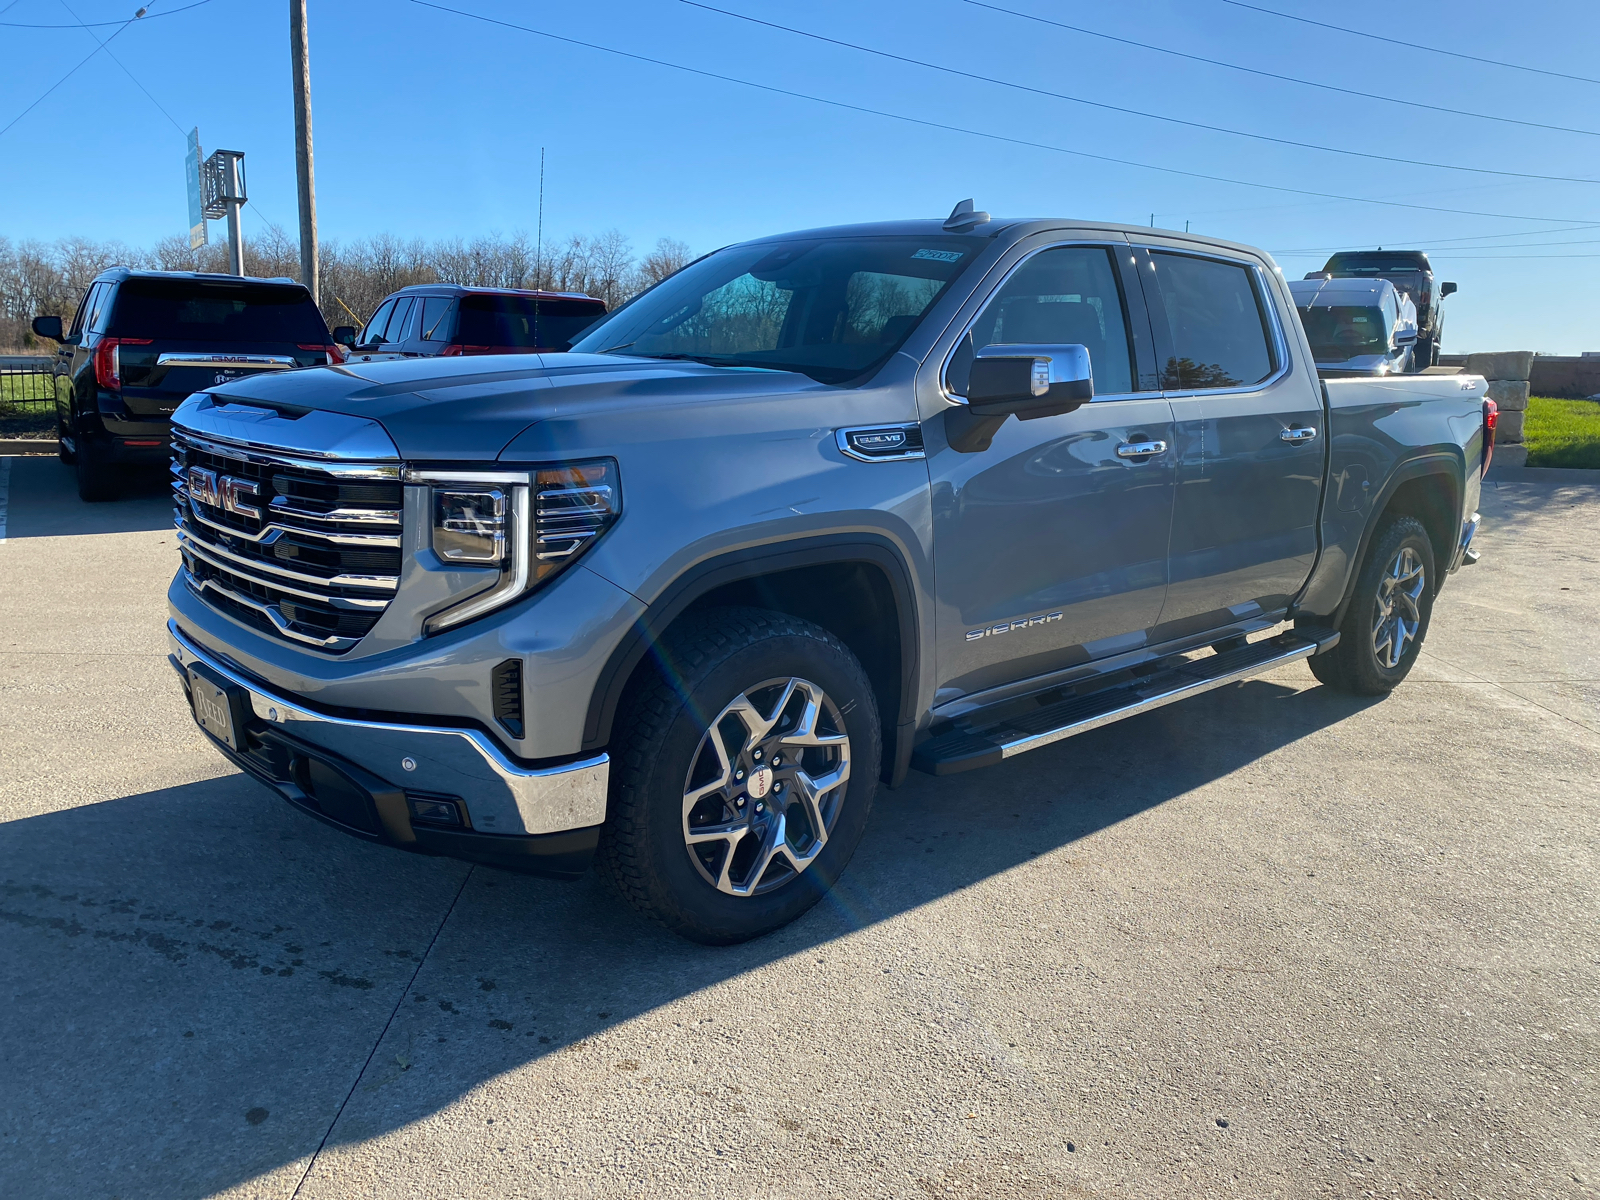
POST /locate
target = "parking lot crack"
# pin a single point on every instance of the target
(382, 1033)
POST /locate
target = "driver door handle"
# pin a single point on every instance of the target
(1141, 449)
(1297, 436)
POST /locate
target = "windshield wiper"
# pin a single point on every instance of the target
(618, 346)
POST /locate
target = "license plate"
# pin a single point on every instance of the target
(225, 376)
(213, 707)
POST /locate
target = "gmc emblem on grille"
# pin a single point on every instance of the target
(224, 492)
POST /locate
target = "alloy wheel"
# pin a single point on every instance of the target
(1399, 608)
(765, 787)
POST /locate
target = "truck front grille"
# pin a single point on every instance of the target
(304, 549)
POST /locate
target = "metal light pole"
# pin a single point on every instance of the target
(224, 195)
(300, 57)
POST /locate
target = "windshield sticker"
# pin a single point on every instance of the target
(941, 255)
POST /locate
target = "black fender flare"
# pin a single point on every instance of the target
(1442, 464)
(750, 563)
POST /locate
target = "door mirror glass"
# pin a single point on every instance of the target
(49, 327)
(1031, 380)
(1446, 289)
(344, 335)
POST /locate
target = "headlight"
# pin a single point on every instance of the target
(527, 526)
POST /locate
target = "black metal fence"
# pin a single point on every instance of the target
(27, 385)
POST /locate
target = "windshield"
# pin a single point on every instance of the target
(830, 308)
(193, 311)
(1340, 334)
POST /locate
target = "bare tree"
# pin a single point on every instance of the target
(38, 278)
(669, 257)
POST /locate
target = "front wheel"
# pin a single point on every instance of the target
(743, 775)
(1383, 628)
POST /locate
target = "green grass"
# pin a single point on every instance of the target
(1562, 433)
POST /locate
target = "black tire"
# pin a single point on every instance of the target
(662, 732)
(96, 480)
(1360, 663)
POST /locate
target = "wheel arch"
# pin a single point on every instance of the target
(1429, 488)
(857, 587)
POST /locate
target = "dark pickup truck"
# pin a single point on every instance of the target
(817, 510)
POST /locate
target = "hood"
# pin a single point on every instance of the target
(470, 409)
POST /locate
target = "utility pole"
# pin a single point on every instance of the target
(300, 58)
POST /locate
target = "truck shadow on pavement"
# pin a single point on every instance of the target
(202, 978)
(44, 501)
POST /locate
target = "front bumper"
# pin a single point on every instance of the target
(543, 819)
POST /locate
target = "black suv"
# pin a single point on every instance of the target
(438, 319)
(143, 341)
(1408, 270)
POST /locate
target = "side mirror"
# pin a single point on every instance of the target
(49, 327)
(344, 335)
(1405, 337)
(1030, 380)
(1446, 289)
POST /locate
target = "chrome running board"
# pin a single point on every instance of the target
(984, 738)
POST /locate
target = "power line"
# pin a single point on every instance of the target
(124, 65)
(1133, 112)
(65, 77)
(1436, 247)
(1378, 37)
(97, 24)
(1311, 83)
(996, 137)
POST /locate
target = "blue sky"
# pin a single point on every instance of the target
(429, 124)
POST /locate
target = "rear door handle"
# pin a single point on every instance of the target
(1298, 435)
(1141, 449)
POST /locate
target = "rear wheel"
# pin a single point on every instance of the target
(96, 478)
(1383, 628)
(743, 775)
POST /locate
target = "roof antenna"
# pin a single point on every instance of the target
(963, 216)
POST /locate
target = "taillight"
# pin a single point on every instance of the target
(335, 353)
(456, 348)
(450, 352)
(108, 362)
(1491, 418)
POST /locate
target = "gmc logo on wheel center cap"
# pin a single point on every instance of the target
(224, 492)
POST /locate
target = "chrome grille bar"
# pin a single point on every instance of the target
(307, 549)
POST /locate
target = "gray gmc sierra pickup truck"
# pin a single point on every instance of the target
(816, 510)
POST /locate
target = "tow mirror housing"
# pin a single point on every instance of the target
(1446, 289)
(1030, 380)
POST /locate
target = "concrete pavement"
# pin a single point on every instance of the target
(1271, 941)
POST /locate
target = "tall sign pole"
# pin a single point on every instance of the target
(300, 56)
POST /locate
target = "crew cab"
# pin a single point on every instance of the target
(439, 319)
(1357, 326)
(819, 509)
(142, 341)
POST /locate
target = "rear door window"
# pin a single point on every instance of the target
(399, 320)
(81, 317)
(191, 311)
(1216, 323)
(99, 307)
(1068, 296)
